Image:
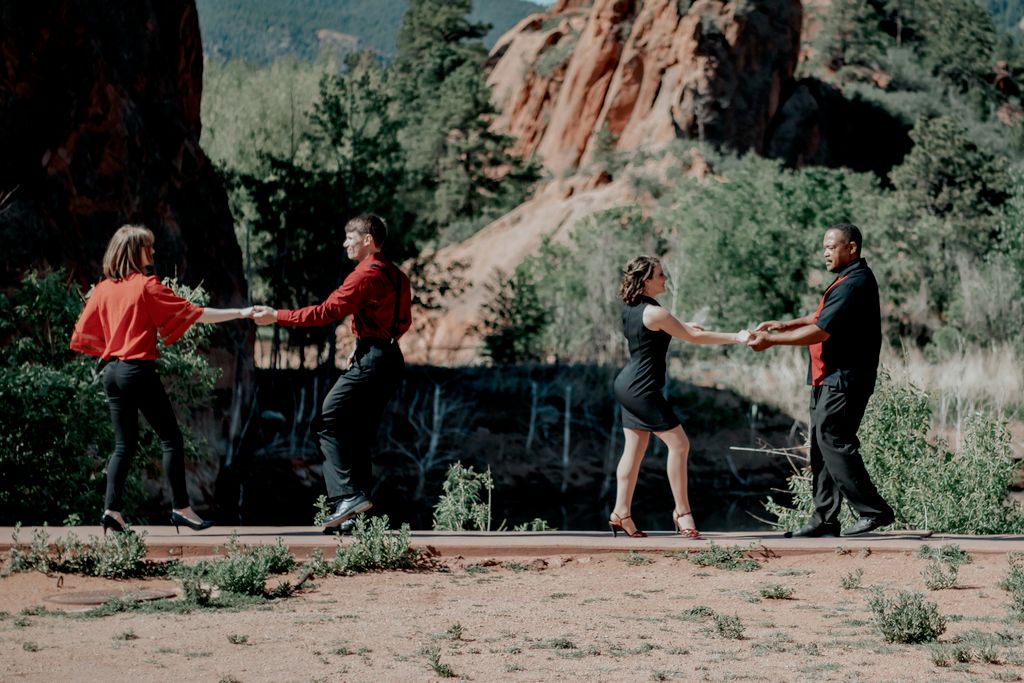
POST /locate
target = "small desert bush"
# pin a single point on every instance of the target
(1014, 583)
(906, 618)
(375, 547)
(114, 556)
(852, 580)
(460, 506)
(939, 576)
(728, 626)
(949, 553)
(243, 570)
(776, 591)
(730, 558)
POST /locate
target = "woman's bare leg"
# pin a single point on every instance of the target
(626, 474)
(678, 454)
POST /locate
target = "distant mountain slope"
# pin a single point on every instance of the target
(262, 30)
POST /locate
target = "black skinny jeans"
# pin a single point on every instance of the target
(133, 386)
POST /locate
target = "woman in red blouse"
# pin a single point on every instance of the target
(121, 320)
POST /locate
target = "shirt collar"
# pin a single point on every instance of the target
(852, 266)
(369, 261)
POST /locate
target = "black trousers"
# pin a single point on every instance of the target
(351, 416)
(837, 468)
(133, 386)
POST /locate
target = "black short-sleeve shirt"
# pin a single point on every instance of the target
(851, 314)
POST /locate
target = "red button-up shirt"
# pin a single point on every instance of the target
(122, 318)
(368, 295)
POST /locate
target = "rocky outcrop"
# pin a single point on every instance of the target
(99, 126)
(643, 72)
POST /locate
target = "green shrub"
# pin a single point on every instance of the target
(1014, 583)
(927, 484)
(460, 505)
(375, 547)
(114, 556)
(939, 575)
(537, 524)
(727, 626)
(906, 618)
(244, 570)
(852, 580)
(724, 558)
(776, 591)
(949, 553)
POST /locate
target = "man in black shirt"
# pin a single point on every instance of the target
(844, 336)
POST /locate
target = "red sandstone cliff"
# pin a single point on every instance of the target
(645, 71)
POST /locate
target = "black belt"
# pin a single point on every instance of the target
(379, 342)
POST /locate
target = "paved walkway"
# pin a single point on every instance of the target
(163, 542)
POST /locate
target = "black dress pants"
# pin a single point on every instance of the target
(351, 416)
(837, 468)
(133, 386)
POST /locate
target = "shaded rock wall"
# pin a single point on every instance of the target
(99, 126)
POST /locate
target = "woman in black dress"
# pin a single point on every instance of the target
(648, 329)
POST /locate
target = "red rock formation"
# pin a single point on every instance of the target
(99, 126)
(647, 71)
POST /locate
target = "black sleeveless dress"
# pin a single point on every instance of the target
(638, 387)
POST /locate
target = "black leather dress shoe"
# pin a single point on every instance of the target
(347, 508)
(815, 531)
(866, 524)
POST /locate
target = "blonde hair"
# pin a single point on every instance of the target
(124, 252)
(638, 271)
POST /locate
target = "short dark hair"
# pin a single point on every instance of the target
(851, 233)
(369, 224)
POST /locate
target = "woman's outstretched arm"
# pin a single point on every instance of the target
(658, 319)
(222, 315)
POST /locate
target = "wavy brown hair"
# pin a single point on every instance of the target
(124, 252)
(638, 271)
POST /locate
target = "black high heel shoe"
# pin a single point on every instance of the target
(110, 523)
(178, 518)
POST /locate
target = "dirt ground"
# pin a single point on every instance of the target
(608, 617)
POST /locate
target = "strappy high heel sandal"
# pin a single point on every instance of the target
(685, 532)
(615, 524)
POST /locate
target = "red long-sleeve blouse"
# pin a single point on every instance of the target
(122, 318)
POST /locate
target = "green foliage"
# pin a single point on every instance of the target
(244, 570)
(733, 557)
(536, 524)
(775, 591)
(514, 319)
(375, 548)
(906, 618)
(852, 580)
(757, 268)
(728, 626)
(849, 40)
(928, 485)
(114, 556)
(959, 41)
(635, 559)
(433, 654)
(949, 553)
(939, 575)
(460, 505)
(1014, 583)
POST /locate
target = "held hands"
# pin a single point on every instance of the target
(264, 315)
(759, 340)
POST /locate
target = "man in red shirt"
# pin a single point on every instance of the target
(377, 296)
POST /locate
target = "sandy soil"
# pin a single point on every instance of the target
(588, 618)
